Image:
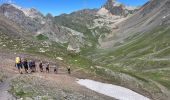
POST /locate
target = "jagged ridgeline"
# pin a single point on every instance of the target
(76, 31)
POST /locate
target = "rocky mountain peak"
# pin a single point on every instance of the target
(29, 19)
(29, 12)
(118, 9)
(32, 12)
(49, 16)
(9, 8)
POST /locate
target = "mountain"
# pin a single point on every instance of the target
(86, 28)
(154, 13)
(35, 24)
(20, 16)
(119, 9)
(96, 23)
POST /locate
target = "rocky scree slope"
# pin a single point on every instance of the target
(152, 14)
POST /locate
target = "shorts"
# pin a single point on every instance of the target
(26, 67)
(47, 68)
(19, 66)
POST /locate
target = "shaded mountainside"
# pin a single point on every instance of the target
(16, 14)
(33, 23)
(153, 14)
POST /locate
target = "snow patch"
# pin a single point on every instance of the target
(114, 91)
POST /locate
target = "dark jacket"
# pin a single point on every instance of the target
(25, 64)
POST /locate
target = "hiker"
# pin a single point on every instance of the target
(48, 68)
(30, 65)
(41, 66)
(69, 70)
(25, 64)
(18, 64)
(33, 66)
(55, 69)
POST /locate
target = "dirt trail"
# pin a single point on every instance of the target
(62, 79)
(4, 87)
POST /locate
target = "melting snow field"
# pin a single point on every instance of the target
(114, 91)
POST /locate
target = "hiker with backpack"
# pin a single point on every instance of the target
(30, 65)
(48, 68)
(55, 69)
(69, 70)
(18, 64)
(41, 66)
(33, 66)
(25, 64)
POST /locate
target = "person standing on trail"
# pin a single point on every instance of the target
(69, 70)
(30, 65)
(48, 68)
(25, 64)
(33, 66)
(18, 64)
(41, 66)
(56, 69)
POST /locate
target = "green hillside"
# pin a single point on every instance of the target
(144, 56)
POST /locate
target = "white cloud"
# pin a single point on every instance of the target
(7, 1)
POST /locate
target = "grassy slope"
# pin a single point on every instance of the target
(54, 50)
(144, 57)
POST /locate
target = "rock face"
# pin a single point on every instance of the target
(115, 9)
(118, 9)
(17, 15)
(153, 14)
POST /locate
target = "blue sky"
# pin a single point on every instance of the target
(56, 7)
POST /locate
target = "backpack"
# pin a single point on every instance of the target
(17, 60)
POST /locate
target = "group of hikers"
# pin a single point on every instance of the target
(31, 65)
